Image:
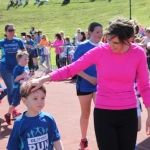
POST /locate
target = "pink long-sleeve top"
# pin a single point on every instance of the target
(56, 45)
(116, 74)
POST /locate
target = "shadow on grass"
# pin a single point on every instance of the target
(6, 131)
(25, 5)
(11, 5)
(41, 3)
(144, 145)
(78, 1)
(65, 2)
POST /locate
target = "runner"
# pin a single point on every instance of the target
(9, 45)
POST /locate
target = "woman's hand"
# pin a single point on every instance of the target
(37, 83)
(148, 126)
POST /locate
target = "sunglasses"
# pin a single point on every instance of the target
(10, 30)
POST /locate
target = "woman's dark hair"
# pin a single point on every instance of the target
(84, 37)
(58, 35)
(93, 25)
(23, 33)
(39, 33)
(122, 28)
(7, 25)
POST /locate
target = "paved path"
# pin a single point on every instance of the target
(62, 103)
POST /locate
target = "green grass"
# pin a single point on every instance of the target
(51, 17)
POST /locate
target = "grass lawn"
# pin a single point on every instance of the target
(51, 17)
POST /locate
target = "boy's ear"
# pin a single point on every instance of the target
(24, 100)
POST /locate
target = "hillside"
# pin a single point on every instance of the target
(51, 17)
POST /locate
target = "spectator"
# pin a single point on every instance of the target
(77, 37)
(142, 31)
(62, 35)
(32, 31)
(45, 57)
(87, 35)
(57, 43)
(31, 47)
(23, 34)
(82, 37)
(65, 55)
(38, 37)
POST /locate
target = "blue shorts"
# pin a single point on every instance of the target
(16, 100)
(16, 97)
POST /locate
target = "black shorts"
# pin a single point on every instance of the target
(79, 93)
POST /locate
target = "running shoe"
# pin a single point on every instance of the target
(15, 114)
(8, 118)
(84, 144)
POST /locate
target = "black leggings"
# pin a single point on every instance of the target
(115, 129)
(30, 63)
(57, 58)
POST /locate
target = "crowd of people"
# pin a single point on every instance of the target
(119, 65)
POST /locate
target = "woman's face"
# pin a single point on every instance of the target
(10, 32)
(116, 45)
(96, 35)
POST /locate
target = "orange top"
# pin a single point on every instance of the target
(44, 42)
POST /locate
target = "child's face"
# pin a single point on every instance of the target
(27, 38)
(23, 61)
(35, 102)
(66, 41)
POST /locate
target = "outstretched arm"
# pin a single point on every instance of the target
(68, 71)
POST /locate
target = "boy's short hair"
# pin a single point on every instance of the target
(67, 38)
(29, 36)
(25, 94)
(20, 54)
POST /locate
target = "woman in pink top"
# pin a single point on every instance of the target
(118, 63)
(58, 42)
